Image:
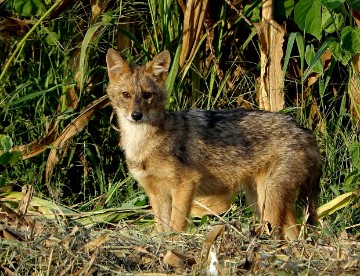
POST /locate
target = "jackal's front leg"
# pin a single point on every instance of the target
(182, 197)
(161, 205)
(160, 201)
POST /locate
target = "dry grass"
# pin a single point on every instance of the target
(39, 244)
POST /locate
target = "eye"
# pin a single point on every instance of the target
(147, 95)
(126, 95)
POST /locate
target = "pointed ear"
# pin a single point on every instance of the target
(159, 66)
(115, 64)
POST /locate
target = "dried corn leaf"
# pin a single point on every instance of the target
(5, 209)
(182, 5)
(10, 26)
(187, 31)
(28, 192)
(214, 233)
(326, 62)
(200, 13)
(356, 16)
(112, 215)
(177, 259)
(337, 204)
(43, 207)
(89, 269)
(72, 129)
(9, 234)
(98, 7)
(50, 210)
(271, 36)
(96, 243)
(193, 23)
(210, 239)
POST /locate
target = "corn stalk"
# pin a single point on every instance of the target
(271, 36)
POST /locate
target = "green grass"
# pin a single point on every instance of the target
(91, 172)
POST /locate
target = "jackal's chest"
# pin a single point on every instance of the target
(137, 140)
(136, 151)
(139, 170)
(153, 169)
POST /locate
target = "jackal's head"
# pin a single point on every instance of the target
(137, 92)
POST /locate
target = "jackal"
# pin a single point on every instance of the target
(210, 155)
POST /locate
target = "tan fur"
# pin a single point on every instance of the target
(210, 155)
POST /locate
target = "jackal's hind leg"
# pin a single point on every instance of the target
(275, 204)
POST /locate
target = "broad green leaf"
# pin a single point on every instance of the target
(355, 4)
(310, 56)
(284, 8)
(40, 8)
(332, 21)
(52, 38)
(345, 32)
(332, 4)
(339, 53)
(29, 7)
(318, 56)
(356, 40)
(336, 191)
(350, 39)
(252, 12)
(135, 202)
(108, 18)
(9, 158)
(354, 151)
(3, 181)
(307, 16)
(5, 142)
(23, 7)
(352, 178)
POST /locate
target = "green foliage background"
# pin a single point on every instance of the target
(41, 63)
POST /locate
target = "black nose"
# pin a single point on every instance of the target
(136, 115)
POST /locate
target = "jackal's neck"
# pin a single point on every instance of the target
(139, 139)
